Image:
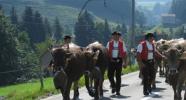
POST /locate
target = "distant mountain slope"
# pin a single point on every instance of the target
(67, 15)
(67, 10)
(116, 10)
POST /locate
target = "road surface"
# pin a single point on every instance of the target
(131, 90)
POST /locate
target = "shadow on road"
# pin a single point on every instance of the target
(104, 98)
(159, 89)
(156, 96)
(123, 85)
(158, 82)
(161, 75)
(120, 96)
(105, 90)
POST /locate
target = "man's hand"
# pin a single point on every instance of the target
(124, 65)
(125, 62)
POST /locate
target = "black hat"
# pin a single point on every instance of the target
(116, 33)
(67, 37)
(148, 35)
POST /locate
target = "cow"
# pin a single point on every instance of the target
(162, 46)
(70, 64)
(102, 61)
(176, 61)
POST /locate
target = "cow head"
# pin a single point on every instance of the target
(91, 57)
(173, 55)
(60, 56)
(59, 59)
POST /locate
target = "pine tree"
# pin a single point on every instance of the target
(123, 29)
(39, 29)
(28, 23)
(107, 32)
(27, 58)
(118, 27)
(47, 28)
(8, 52)
(178, 7)
(58, 30)
(100, 30)
(13, 16)
(84, 30)
(67, 29)
(140, 18)
(17, 57)
(173, 6)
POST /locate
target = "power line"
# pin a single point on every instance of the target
(12, 71)
(32, 6)
(56, 24)
(39, 17)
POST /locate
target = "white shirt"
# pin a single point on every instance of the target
(150, 48)
(115, 50)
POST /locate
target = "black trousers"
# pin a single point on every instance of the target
(115, 69)
(148, 72)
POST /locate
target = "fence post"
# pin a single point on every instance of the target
(41, 77)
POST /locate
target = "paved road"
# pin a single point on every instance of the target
(130, 90)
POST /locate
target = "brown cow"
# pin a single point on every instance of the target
(177, 67)
(102, 62)
(162, 46)
(70, 65)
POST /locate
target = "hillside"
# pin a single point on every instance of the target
(66, 13)
(50, 11)
(115, 10)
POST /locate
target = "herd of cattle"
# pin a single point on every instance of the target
(69, 64)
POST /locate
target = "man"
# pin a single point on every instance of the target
(67, 41)
(117, 54)
(145, 56)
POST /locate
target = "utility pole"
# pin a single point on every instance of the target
(132, 35)
(83, 8)
(133, 25)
